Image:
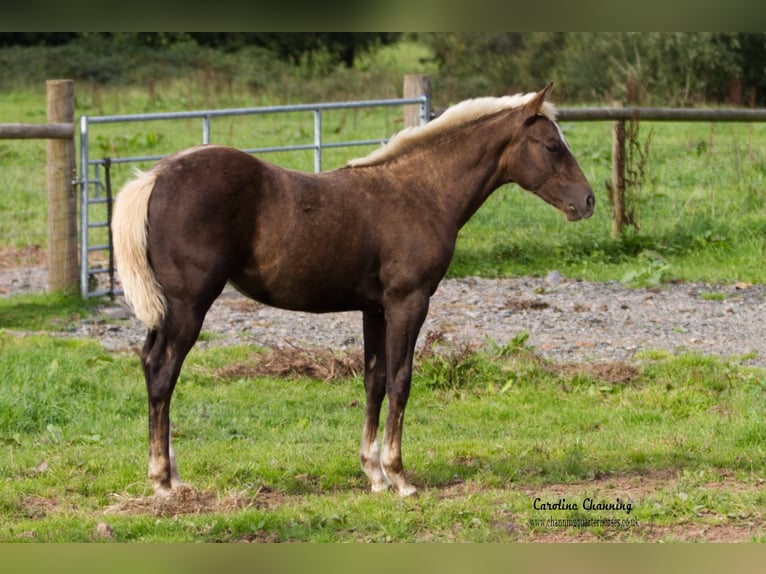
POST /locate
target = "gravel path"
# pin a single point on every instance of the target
(569, 321)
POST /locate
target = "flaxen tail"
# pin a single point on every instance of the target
(129, 230)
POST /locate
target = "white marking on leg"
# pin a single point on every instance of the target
(155, 472)
(403, 486)
(175, 478)
(369, 454)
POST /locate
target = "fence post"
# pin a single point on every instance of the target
(63, 270)
(617, 187)
(415, 86)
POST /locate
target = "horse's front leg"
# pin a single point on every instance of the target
(404, 317)
(375, 391)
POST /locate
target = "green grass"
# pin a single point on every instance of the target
(43, 312)
(72, 426)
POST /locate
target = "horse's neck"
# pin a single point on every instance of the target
(459, 171)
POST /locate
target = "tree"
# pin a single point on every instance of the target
(637, 68)
(36, 38)
(476, 63)
(342, 47)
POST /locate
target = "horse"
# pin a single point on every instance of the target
(375, 236)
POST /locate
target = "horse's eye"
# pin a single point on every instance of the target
(553, 147)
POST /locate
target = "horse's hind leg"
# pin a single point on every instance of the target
(162, 356)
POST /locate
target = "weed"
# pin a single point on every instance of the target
(451, 368)
(636, 165)
(652, 271)
(713, 296)
(118, 145)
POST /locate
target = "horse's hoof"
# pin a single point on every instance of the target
(408, 491)
(164, 489)
(163, 492)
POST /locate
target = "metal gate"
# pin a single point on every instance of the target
(95, 182)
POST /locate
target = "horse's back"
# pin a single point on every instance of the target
(290, 239)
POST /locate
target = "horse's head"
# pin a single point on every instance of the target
(539, 160)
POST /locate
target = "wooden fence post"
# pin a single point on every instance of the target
(63, 270)
(617, 187)
(415, 86)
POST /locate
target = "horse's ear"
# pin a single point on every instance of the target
(532, 107)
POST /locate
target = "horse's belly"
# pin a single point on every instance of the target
(297, 294)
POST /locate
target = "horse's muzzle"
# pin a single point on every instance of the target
(575, 212)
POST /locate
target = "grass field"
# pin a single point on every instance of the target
(494, 439)
(680, 439)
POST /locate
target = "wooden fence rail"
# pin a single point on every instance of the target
(661, 114)
(36, 131)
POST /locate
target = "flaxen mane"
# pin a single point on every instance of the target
(457, 115)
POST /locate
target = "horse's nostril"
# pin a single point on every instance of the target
(590, 202)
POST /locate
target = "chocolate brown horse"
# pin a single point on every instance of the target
(375, 236)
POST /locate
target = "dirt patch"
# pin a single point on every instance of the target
(291, 361)
(182, 500)
(29, 256)
(691, 533)
(635, 486)
(523, 304)
(328, 365)
(38, 506)
(725, 533)
(699, 533)
(610, 372)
